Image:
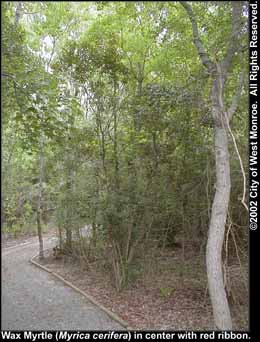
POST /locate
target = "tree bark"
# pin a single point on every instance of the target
(18, 13)
(115, 147)
(39, 205)
(39, 229)
(221, 117)
(221, 311)
(69, 214)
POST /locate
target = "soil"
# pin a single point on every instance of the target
(171, 293)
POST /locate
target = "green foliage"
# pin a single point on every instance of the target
(118, 94)
(166, 292)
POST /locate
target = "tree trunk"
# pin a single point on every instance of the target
(115, 147)
(219, 72)
(39, 229)
(94, 234)
(155, 151)
(139, 89)
(221, 311)
(68, 238)
(60, 238)
(39, 205)
(69, 213)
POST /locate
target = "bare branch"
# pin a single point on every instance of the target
(18, 13)
(6, 74)
(31, 12)
(233, 107)
(52, 52)
(236, 24)
(243, 200)
(197, 41)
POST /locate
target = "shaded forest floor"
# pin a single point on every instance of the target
(170, 294)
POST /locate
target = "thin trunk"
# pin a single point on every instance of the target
(9, 160)
(7, 175)
(69, 207)
(116, 152)
(139, 86)
(39, 229)
(94, 234)
(115, 140)
(68, 238)
(103, 150)
(102, 138)
(155, 151)
(60, 238)
(139, 90)
(39, 205)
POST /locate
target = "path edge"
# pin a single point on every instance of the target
(86, 295)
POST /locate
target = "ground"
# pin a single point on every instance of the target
(33, 299)
(171, 294)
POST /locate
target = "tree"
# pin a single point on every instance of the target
(219, 71)
(109, 110)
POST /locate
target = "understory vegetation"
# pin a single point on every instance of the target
(108, 136)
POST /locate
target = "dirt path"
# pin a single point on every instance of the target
(34, 300)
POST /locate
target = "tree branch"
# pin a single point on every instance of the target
(31, 12)
(233, 39)
(18, 14)
(197, 41)
(233, 107)
(6, 74)
(52, 52)
(243, 200)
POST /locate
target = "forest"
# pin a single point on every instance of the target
(125, 134)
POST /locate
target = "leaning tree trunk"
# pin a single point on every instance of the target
(221, 311)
